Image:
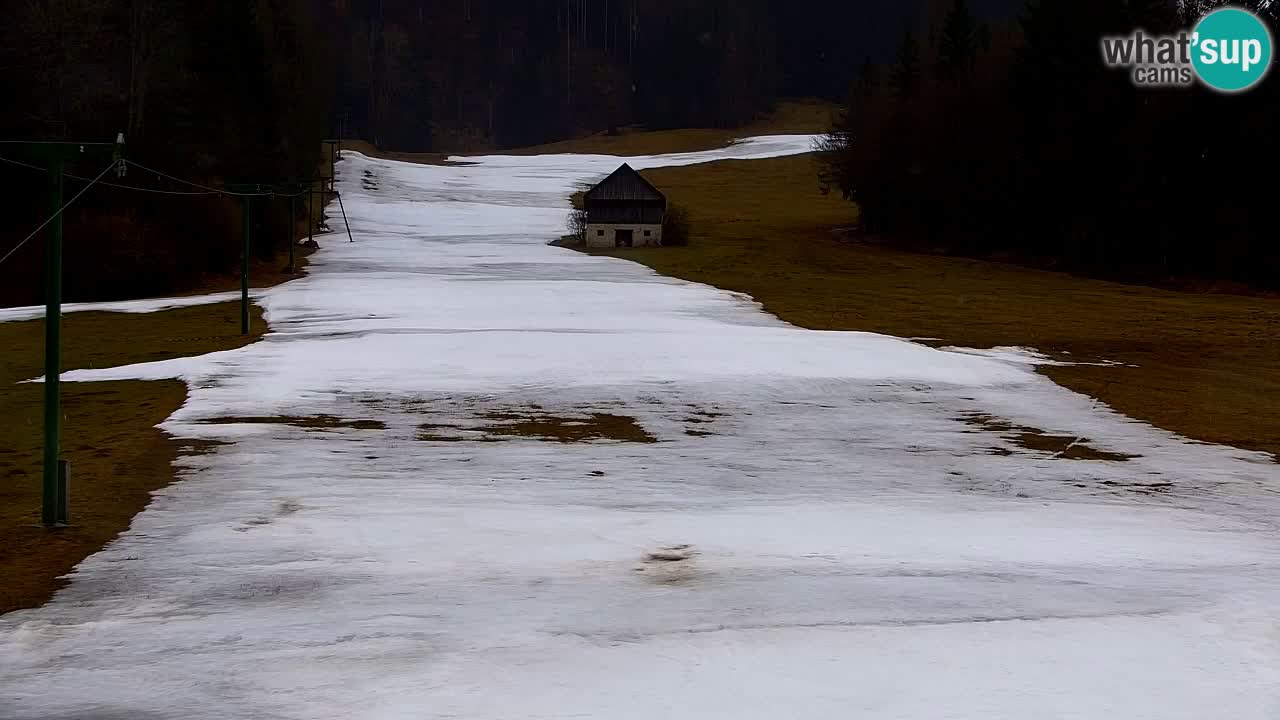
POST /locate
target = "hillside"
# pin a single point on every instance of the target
(1205, 365)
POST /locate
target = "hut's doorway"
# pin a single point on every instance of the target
(624, 238)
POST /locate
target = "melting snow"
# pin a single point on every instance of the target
(150, 305)
(820, 530)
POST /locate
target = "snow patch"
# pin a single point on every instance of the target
(150, 305)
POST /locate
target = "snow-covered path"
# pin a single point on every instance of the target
(864, 536)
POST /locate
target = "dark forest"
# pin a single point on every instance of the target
(971, 127)
(1014, 140)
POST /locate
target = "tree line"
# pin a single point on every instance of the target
(963, 130)
(1015, 140)
(211, 91)
(480, 74)
(225, 91)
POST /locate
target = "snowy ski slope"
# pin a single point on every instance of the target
(860, 540)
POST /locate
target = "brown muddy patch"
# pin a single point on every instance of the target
(1151, 488)
(567, 429)
(445, 432)
(698, 419)
(200, 447)
(537, 425)
(670, 565)
(284, 508)
(1029, 438)
(314, 422)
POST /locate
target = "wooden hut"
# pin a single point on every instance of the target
(624, 210)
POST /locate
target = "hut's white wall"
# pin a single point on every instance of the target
(605, 235)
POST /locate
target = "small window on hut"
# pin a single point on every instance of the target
(600, 233)
(646, 233)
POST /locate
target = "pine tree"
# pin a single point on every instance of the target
(906, 72)
(959, 41)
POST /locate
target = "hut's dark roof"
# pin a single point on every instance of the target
(624, 184)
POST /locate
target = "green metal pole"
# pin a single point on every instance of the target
(293, 216)
(64, 493)
(52, 348)
(333, 159)
(244, 267)
(311, 218)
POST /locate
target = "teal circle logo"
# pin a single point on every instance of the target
(1231, 50)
